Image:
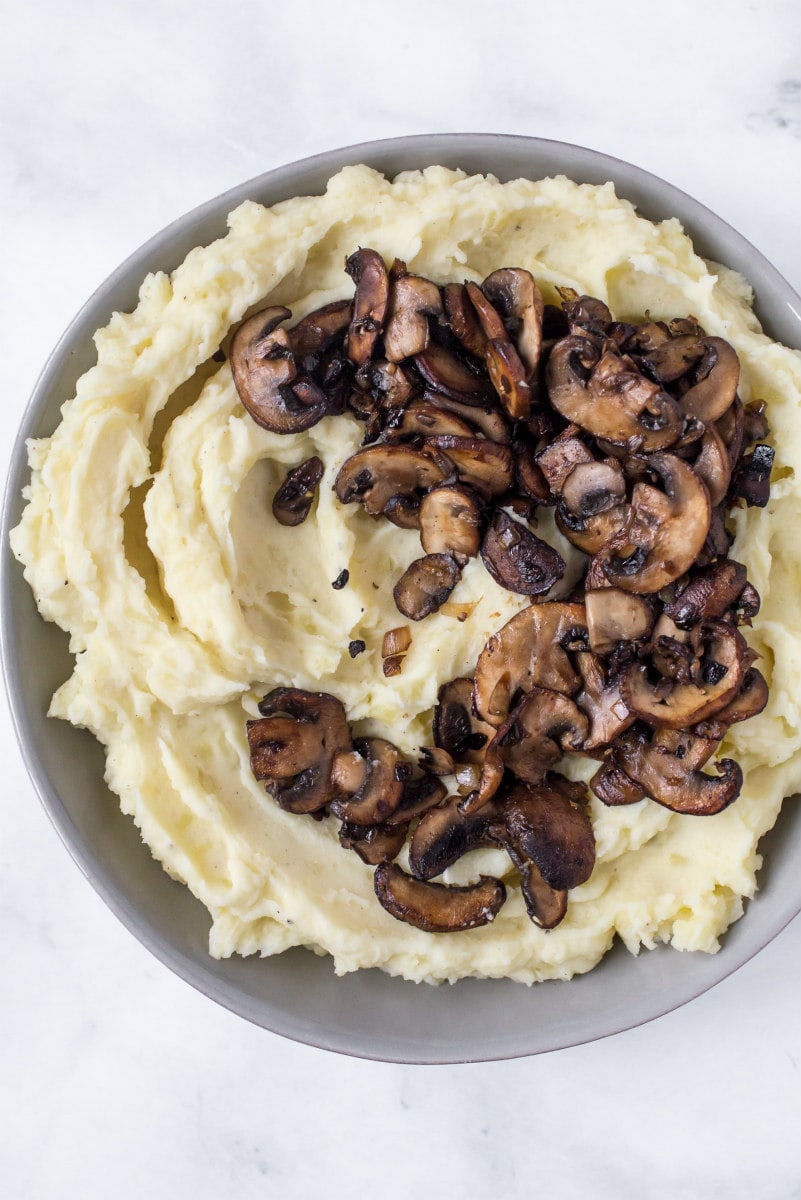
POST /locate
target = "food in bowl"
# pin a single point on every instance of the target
(150, 535)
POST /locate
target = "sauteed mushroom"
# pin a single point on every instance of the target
(366, 268)
(517, 559)
(425, 585)
(293, 746)
(266, 376)
(433, 907)
(293, 500)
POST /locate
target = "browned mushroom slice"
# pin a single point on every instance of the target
(615, 616)
(508, 377)
(482, 464)
(436, 760)
(462, 319)
(489, 318)
(293, 745)
(675, 705)
(614, 788)
(433, 907)
(513, 292)
(486, 418)
(264, 371)
(555, 832)
(425, 585)
(421, 419)
(532, 739)
(755, 425)
(382, 789)
(366, 268)
(321, 329)
(751, 481)
(412, 300)
(708, 367)
(666, 532)
(444, 372)
(749, 701)
(419, 795)
(668, 769)
(546, 906)
(713, 466)
(606, 395)
(732, 429)
(450, 522)
(446, 833)
(293, 500)
(709, 592)
(593, 509)
(456, 727)
(558, 459)
(602, 700)
(517, 559)
(374, 844)
(587, 315)
(377, 474)
(388, 385)
(528, 651)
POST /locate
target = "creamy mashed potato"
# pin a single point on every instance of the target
(148, 536)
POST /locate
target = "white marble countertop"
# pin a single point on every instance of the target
(116, 1078)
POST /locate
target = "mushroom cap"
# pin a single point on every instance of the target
(552, 830)
(433, 907)
(713, 466)
(672, 704)
(528, 651)
(517, 559)
(450, 519)
(592, 510)
(463, 319)
(265, 374)
(666, 531)
(412, 300)
(366, 268)
(293, 500)
(605, 394)
(425, 585)
(293, 745)
(667, 768)
(484, 465)
(709, 591)
(380, 473)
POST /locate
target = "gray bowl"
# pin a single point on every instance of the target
(297, 994)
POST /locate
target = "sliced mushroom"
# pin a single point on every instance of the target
(293, 500)
(558, 459)
(508, 377)
(751, 480)
(421, 419)
(708, 367)
(676, 705)
(446, 833)
(489, 318)
(517, 559)
(374, 844)
(378, 474)
(749, 701)
(602, 700)
(293, 745)
(586, 315)
(462, 319)
(456, 727)
(668, 769)
(412, 301)
(366, 268)
(593, 508)
(555, 832)
(530, 650)
(318, 331)
(514, 293)
(425, 585)
(419, 795)
(444, 372)
(614, 788)
(486, 418)
(713, 466)
(709, 592)
(389, 386)
(615, 616)
(433, 907)
(265, 375)
(606, 395)
(482, 464)
(666, 532)
(450, 522)
(531, 740)
(382, 789)
(546, 906)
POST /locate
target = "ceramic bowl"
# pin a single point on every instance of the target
(297, 994)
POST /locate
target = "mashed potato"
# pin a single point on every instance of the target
(148, 537)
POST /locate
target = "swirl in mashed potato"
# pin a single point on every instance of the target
(148, 536)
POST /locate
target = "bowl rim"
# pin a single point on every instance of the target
(628, 179)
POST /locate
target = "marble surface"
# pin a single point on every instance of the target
(115, 1076)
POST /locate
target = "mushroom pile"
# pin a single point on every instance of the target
(481, 404)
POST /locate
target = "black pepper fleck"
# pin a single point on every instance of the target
(218, 356)
(341, 579)
(357, 646)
